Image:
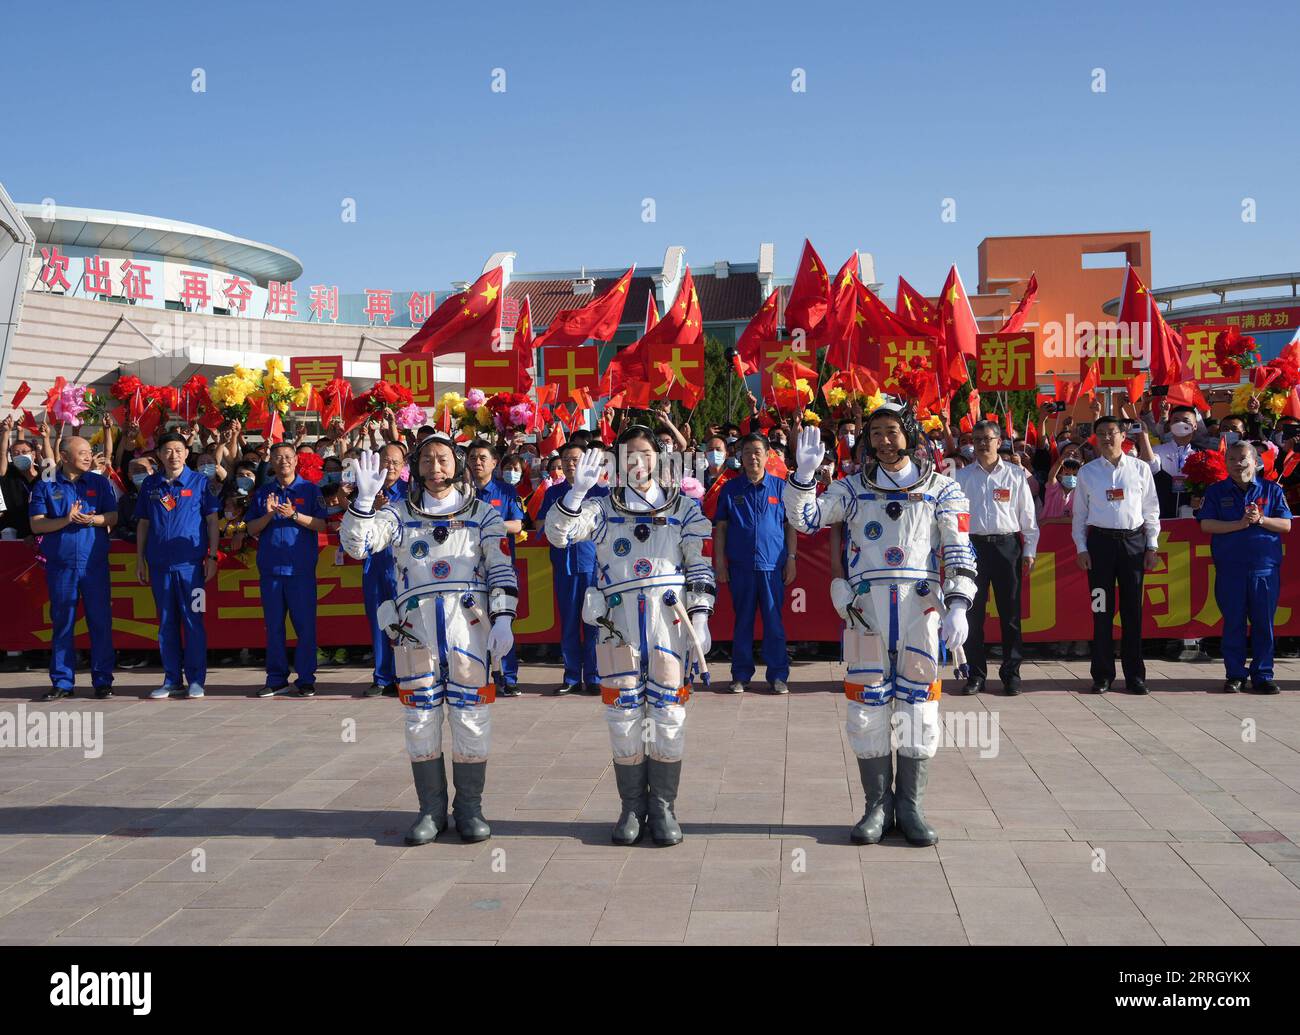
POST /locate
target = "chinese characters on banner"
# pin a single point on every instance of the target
(1200, 354)
(686, 363)
(317, 371)
(490, 371)
(1279, 319)
(1116, 367)
(1005, 362)
(892, 355)
(771, 354)
(572, 367)
(412, 372)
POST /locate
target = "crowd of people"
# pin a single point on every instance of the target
(196, 494)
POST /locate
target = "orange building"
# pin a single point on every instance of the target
(1076, 274)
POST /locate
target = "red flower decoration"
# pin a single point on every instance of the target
(1203, 469)
(311, 466)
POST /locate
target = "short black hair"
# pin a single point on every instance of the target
(172, 436)
(280, 445)
(753, 436)
(573, 443)
(480, 443)
(988, 425)
(1107, 419)
(1183, 408)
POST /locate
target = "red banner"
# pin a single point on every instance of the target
(317, 371)
(1179, 596)
(413, 372)
(1005, 362)
(1200, 355)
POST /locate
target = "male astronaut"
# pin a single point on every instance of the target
(454, 580)
(652, 597)
(903, 523)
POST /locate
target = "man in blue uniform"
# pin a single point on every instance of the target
(378, 579)
(73, 510)
(1246, 517)
(754, 552)
(481, 462)
(286, 515)
(176, 543)
(573, 569)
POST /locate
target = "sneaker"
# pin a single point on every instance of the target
(195, 691)
(511, 690)
(103, 693)
(307, 690)
(134, 661)
(391, 690)
(163, 692)
(736, 687)
(373, 690)
(56, 694)
(271, 691)
(779, 687)
(341, 656)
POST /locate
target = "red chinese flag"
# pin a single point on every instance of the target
(1011, 428)
(606, 429)
(916, 311)
(149, 421)
(553, 441)
(1090, 380)
(29, 422)
(525, 349)
(581, 398)
(762, 327)
(1187, 393)
(598, 319)
(52, 396)
(21, 394)
(956, 319)
(1292, 409)
(966, 424)
(1031, 433)
(809, 295)
(1137, 308)
(651, 313)
(258, 417)
(1136, 386)
(682, 322)
(275, 428)
(637, 394)
(838, 326)
(467, 321)
(548, 393)
(973, 401)
(1016, 321)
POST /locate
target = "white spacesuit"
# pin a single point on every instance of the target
(902, 529)
(454, 575)
(653, 594)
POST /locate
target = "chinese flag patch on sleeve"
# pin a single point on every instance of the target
(963, 522)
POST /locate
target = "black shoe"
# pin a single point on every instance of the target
(103, 693)
(373, 690)
(974, 685)
(269, 690)
(56, 694)
(1011, 686)
(567, 688)
(1264, 686)
(308, 690)
(511, 690)
(591, 689)
(391, 690)
(1136, 686)
(1234, 686)
(1100, 686)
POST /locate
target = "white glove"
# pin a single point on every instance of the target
(370, 479)
(500, 637)
(808, 453)
(585, 477)
(954, 629)
(841, 596)
(700, 623)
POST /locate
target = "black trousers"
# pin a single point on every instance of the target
(1116, 560)
(998, 565)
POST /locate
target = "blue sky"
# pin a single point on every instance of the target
(690, 104)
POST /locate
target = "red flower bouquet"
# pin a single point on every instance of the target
(1235, 352)
(311, 466)
(1203, 469)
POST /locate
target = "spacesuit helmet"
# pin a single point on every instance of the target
(417, 485)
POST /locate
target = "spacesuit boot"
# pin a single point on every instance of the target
(908, 795)
(663, 778)
(877, 774)
(431, 787)
(467, 810)
(631, 824)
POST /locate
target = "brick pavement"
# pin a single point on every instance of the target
(1111, 820)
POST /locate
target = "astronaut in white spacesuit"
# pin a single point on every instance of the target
(910, 571)
(450, 623)
(653, 594)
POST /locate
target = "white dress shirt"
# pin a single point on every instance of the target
(1000, 501)
(1119, 495)
(1170, 457)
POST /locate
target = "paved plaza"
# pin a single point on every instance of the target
(1066, 818)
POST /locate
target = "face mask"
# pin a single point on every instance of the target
(138, 478)
(1231, 437)
(1181, 428)
(23, 462)
(511, 477)
(244, 484)
(849, 440)
(666, 447)
(716, 456)
(1069, 481)
(778, 443)
(328, 481)
(731, 440)
(208, 470)
(968, 452)
(335, 510)
(734, 463)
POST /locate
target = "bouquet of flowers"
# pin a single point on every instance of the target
(455, 407)
(311, 466)
(509, 411)
(917, 382)
(70, 404)
(411, 417)
(384, 395)
(1235, 352)
(1203, 469)
(230, 392)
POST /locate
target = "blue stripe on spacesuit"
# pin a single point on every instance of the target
(904, 496)
(645, 650)
(893, 619)
(917, 650)
(668, 651)
(617, 519)
(812, 517)
(473, 657)
(441, 626)
(650, 582)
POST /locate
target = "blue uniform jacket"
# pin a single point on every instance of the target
(1251, 549)
(755, 517)
(176, 511)
(74, 546)
(285, 547)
